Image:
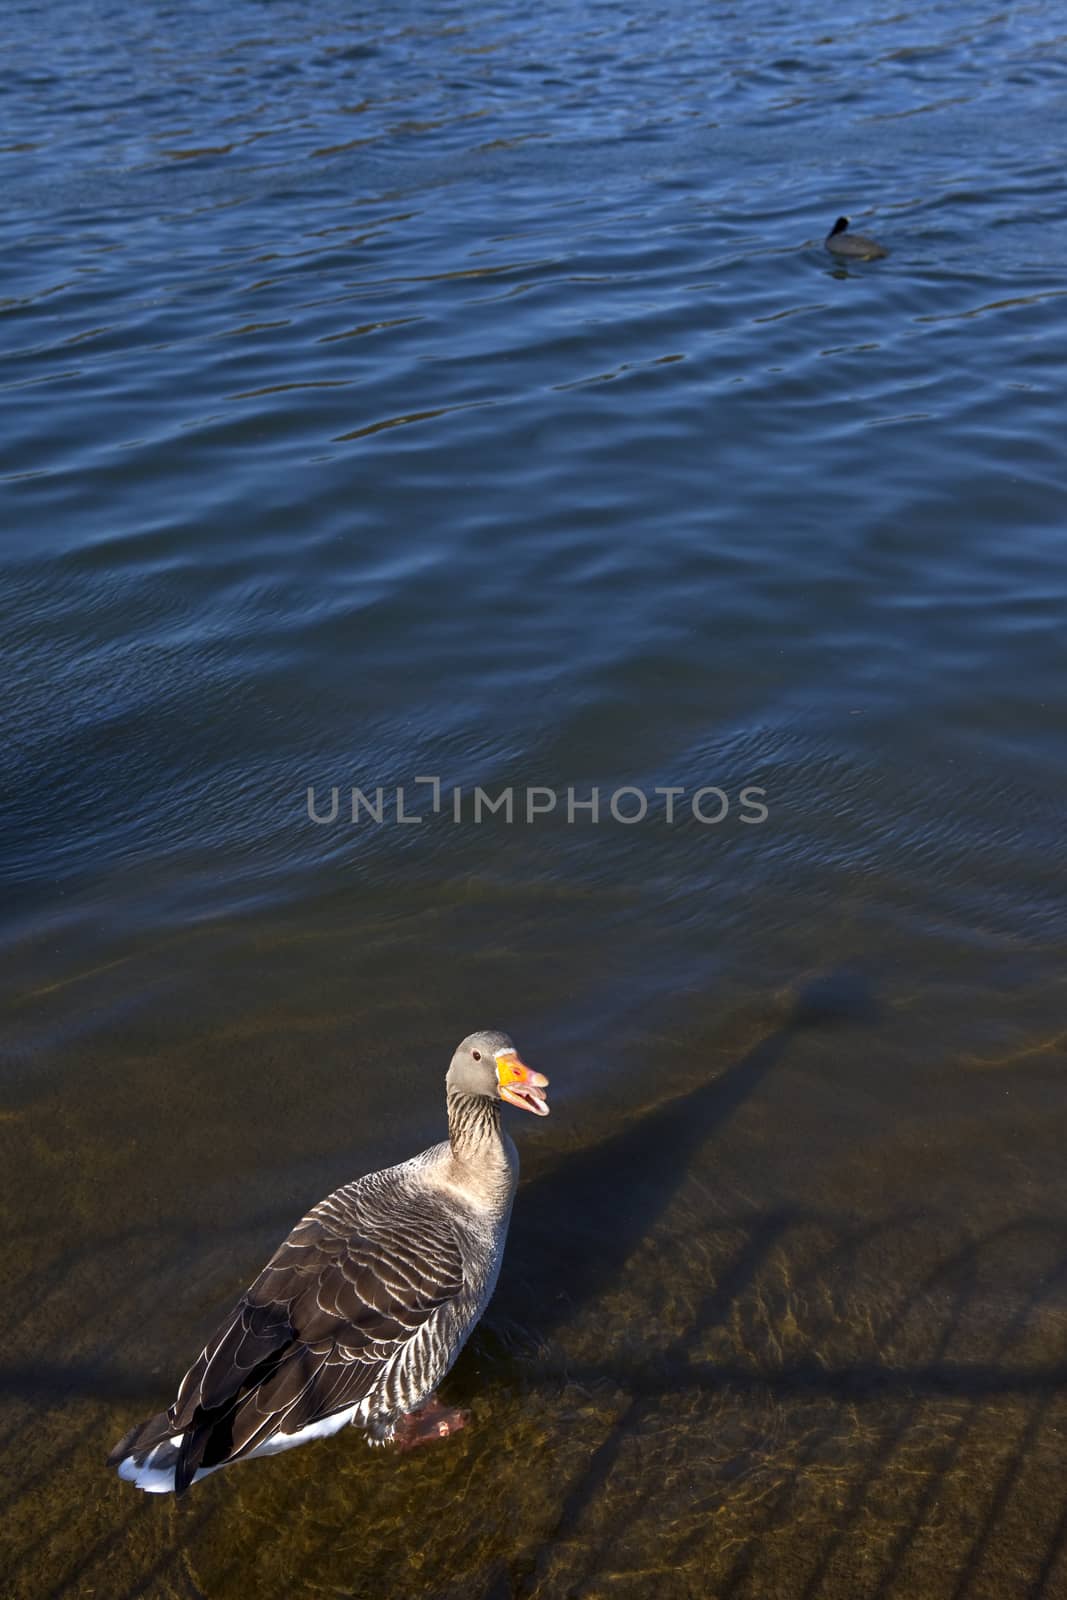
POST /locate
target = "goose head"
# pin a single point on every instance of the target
(488, 1064)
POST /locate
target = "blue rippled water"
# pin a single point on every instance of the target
(466, 392)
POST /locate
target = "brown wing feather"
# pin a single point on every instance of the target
(314, 1333)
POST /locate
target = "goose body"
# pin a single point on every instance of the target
(855, 246)
(361, 1312)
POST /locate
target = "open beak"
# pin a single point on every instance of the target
(519, 1086)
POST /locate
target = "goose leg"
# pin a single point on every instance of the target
(431, 1421)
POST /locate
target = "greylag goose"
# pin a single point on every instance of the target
(840, 242)
(362, 1311)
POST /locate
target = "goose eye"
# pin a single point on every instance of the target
(477, 1054)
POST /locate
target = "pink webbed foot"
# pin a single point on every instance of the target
(431, 1421)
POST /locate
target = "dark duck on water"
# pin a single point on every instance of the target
(359, 1315)
(840, 242)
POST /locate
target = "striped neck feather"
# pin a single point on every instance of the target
(474, 1127)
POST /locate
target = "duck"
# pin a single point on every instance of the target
(840, 242)
(361, 1312)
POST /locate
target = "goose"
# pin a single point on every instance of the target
(840, 242)
(360, 1313)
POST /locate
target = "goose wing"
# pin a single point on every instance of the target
(336, 1303)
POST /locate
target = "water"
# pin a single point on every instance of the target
(466, 393)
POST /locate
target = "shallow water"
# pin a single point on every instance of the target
(467, 394)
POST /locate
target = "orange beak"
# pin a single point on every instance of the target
(519, 1086)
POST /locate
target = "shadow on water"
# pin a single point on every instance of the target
(651, 1158)
(578, 1224)
(618, 1190)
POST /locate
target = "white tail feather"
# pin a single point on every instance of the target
(155, 1477)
